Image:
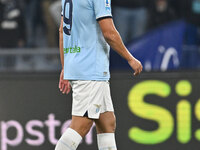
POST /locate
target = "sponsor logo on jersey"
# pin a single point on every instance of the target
(75, 49)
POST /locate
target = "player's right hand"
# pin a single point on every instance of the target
(136, 66)
(64, 85)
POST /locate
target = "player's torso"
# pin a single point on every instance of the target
(83, 47)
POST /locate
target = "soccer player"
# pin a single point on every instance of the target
(86, 34)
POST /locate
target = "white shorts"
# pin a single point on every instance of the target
(91, 98)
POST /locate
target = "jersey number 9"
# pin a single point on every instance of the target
(68, 21)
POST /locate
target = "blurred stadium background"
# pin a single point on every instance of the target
(158, 110)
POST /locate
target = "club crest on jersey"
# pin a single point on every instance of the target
(107, 4)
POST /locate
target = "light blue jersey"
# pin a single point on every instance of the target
(86, 53)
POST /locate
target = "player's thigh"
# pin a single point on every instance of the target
(106, 123)
(81, 125)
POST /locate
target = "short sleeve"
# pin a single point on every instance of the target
(102, 9)
(62, 13)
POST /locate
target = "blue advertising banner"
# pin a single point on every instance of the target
(157, 50)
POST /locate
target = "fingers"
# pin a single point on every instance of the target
(69, 88)
(65, 89)
(59, 85)
(136, 66)
(62, 86)
(61, 79)
(138, 71)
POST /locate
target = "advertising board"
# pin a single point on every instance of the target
(154, 111)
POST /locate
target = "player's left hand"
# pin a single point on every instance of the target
(64, 85)
(136, 66)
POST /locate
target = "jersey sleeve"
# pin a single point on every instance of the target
(102, 9)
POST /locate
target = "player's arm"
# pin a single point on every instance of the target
(61, 42)
(113, 38)
(64, 85)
